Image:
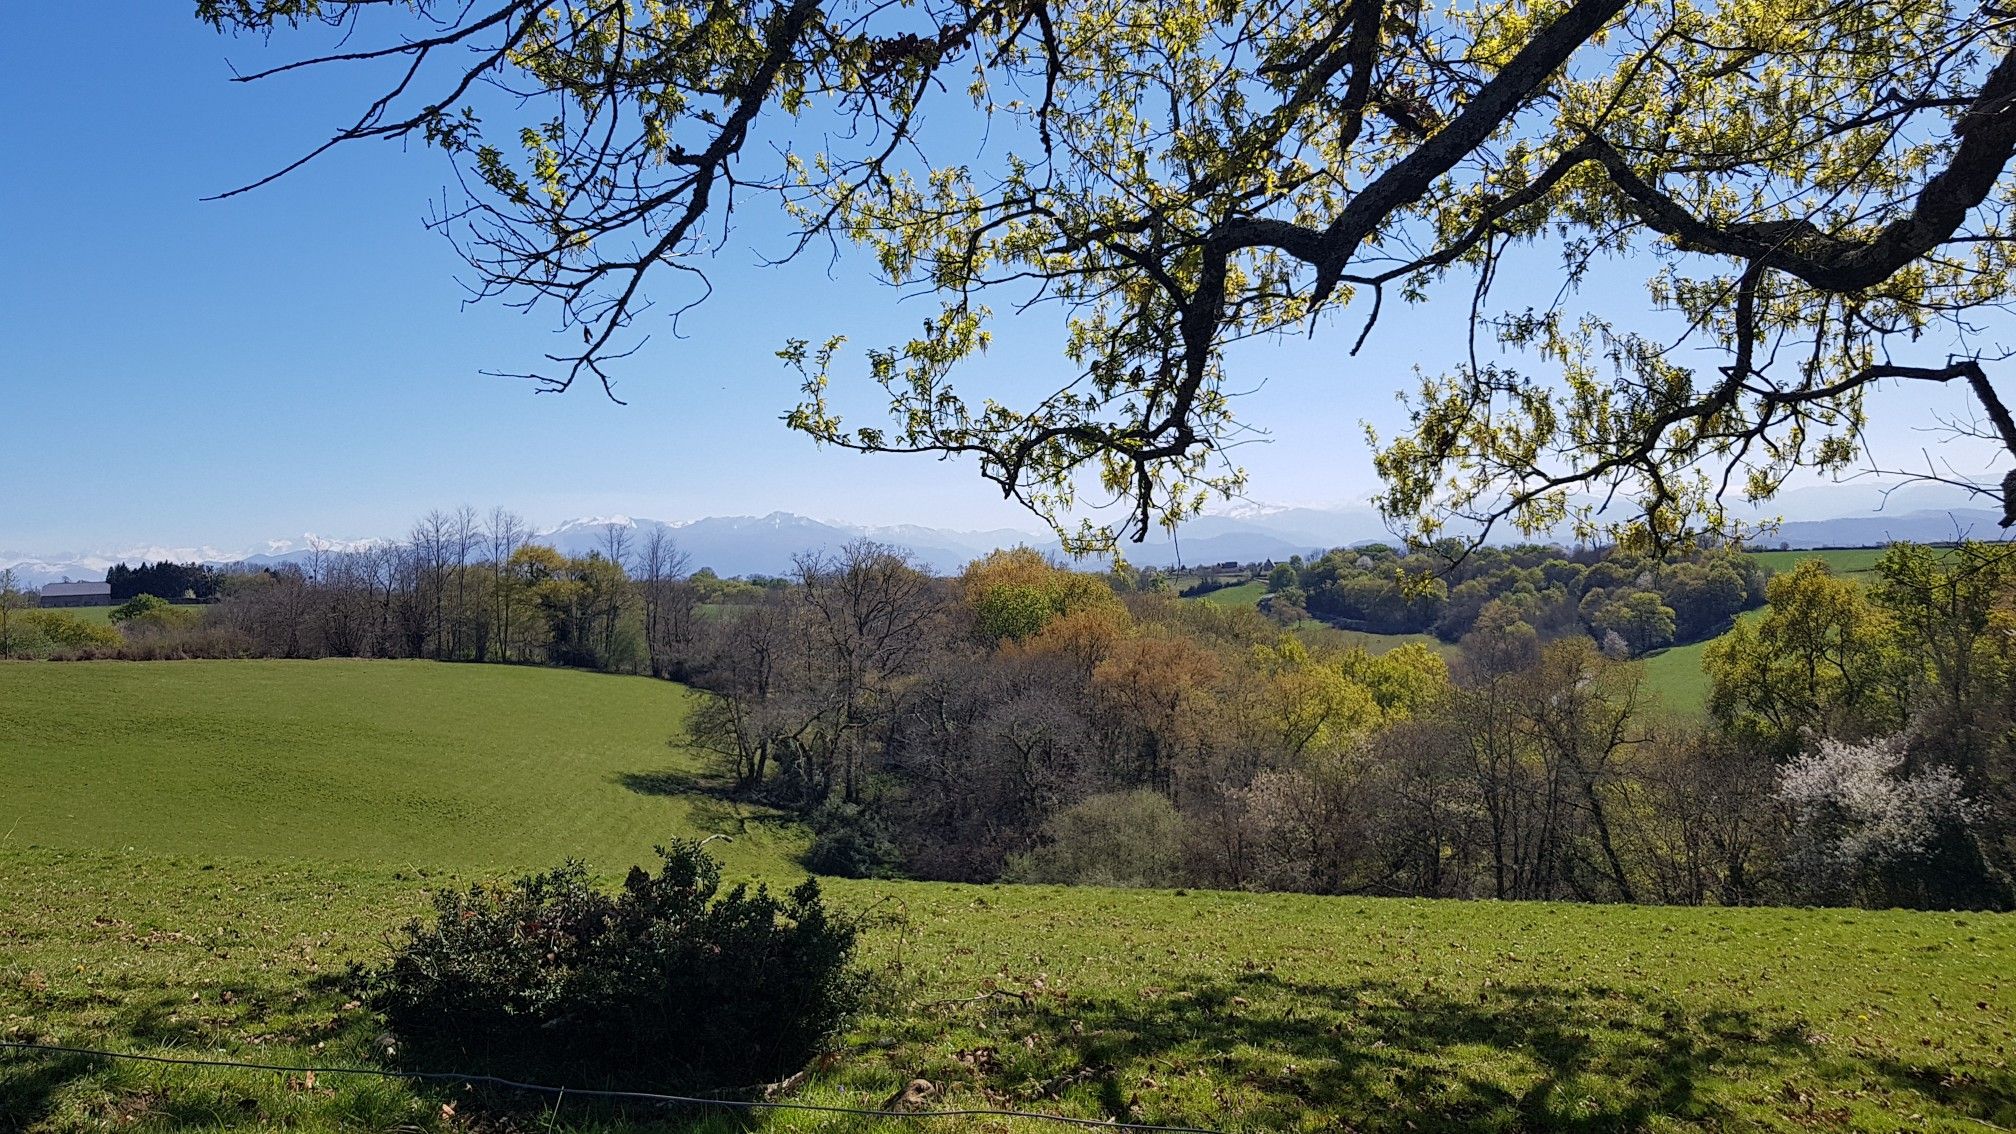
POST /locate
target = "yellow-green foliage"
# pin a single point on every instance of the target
(1015, 593)
(44, 630)
(1318, 704)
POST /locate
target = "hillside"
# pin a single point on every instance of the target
(199, 849)
(356, 761)
(1673, 673)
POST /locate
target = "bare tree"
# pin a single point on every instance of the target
(668, 602)
(13, 599)
(507, 534)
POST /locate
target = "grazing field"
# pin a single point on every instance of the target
(1675, 675)
(1248, 593)
(99, 614)
(1852, 561)
(1225, 1011)
(383, 762)
(1228, 1011)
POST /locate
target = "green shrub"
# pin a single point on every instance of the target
(137, 606)
(60, 630)
(851, 842)
(1125, 838)
(661, 987)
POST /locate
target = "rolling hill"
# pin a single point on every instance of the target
(198, 851)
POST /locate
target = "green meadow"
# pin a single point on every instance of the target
(375, 762)
(1843, 561)
(1247, 593)
(193, 853)
(1674, 674)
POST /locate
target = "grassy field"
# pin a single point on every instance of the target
(403, 763)
(1845, 561)
(1247, 593)
(123, 927)
(1676, 673)
(100, 614)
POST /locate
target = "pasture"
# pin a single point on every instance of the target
(1675, 674)
(1248, 593)
(98, 614)
(1850, 561)
(405, 763)
(231, 835)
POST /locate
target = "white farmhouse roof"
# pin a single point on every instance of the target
(76, 590)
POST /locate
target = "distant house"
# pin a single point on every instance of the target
(77, 594)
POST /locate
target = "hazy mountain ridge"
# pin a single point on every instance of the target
(769, 544)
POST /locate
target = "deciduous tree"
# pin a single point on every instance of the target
(1811, 197)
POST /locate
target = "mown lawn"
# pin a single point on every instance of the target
(1226, 1011)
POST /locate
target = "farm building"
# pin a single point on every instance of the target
(77, 594)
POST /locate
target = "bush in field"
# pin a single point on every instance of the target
(137, 606)
(850, 841)
(57, 630)
(149, 614)
(1867, 829)
(663, 986)
(1126, 838)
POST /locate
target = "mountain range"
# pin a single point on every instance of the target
(766, 545)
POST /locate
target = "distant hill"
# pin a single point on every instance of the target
(767, 545)
(1929, 526)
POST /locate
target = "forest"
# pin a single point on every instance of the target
(1025, 721)
(1629, 604)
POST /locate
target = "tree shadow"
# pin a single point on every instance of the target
(1260, 1050)
(30, 1082)
(713, 806)
(1987, 1095)
(665, 783)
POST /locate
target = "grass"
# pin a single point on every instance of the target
(407, 763)
(1247, 593)
(1675, 673)
(98, 614)
(1229, 1011)
(1236, 1012)
(1852, 561)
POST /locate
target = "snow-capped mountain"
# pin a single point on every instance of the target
(768, 545)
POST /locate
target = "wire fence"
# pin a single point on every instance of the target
(613, 1095)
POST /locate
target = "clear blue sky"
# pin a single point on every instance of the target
(177, 373)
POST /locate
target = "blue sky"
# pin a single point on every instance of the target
(176, 372)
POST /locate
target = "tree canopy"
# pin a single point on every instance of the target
(1812, 195)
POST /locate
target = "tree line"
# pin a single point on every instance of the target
(1027, 721)
(461, 586)
(1630, 604)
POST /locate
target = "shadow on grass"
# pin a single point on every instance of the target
(30, 1082)
(712, 805)
(1984, 1094)
(668, 783)
(1261, 1051)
